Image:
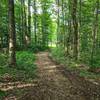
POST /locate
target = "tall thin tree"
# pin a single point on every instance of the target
(75, 28)
(12, 34)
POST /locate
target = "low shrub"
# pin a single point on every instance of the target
(25, 67)
(25, 62)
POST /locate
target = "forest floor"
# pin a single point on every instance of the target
(54, 82)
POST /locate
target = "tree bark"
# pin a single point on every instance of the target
(75, 28)
(29, 20)
(35, 22)
(12, 34)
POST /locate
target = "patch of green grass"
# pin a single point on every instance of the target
(25, 62)
(59, 55)
(25, 69)
(88, 74)
(2, 94)
(3, 59)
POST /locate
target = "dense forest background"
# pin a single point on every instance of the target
(73, 26)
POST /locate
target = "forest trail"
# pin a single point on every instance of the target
(53, 85)
(54, 82)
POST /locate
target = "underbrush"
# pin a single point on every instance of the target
(82, 68)
(25, 62)
(2, 94)
(61, 57)
(24, 70)
(37, 48)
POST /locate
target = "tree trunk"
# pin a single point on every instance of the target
(29, 20)
(35, 22)
(12, 34)
(58, 23)
(75, 28)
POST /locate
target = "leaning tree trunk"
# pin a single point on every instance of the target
(12, 35)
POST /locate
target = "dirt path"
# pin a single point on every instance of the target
(52, 85)
(54, 82)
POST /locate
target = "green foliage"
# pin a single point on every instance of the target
(25, 61)
(37, 48)
(3, 59)
(58, 53)
(2, 94)
(88, 74)
(24, 70)
(96, 61)
(82, 65)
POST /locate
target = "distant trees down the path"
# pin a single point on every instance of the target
(72, 25)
